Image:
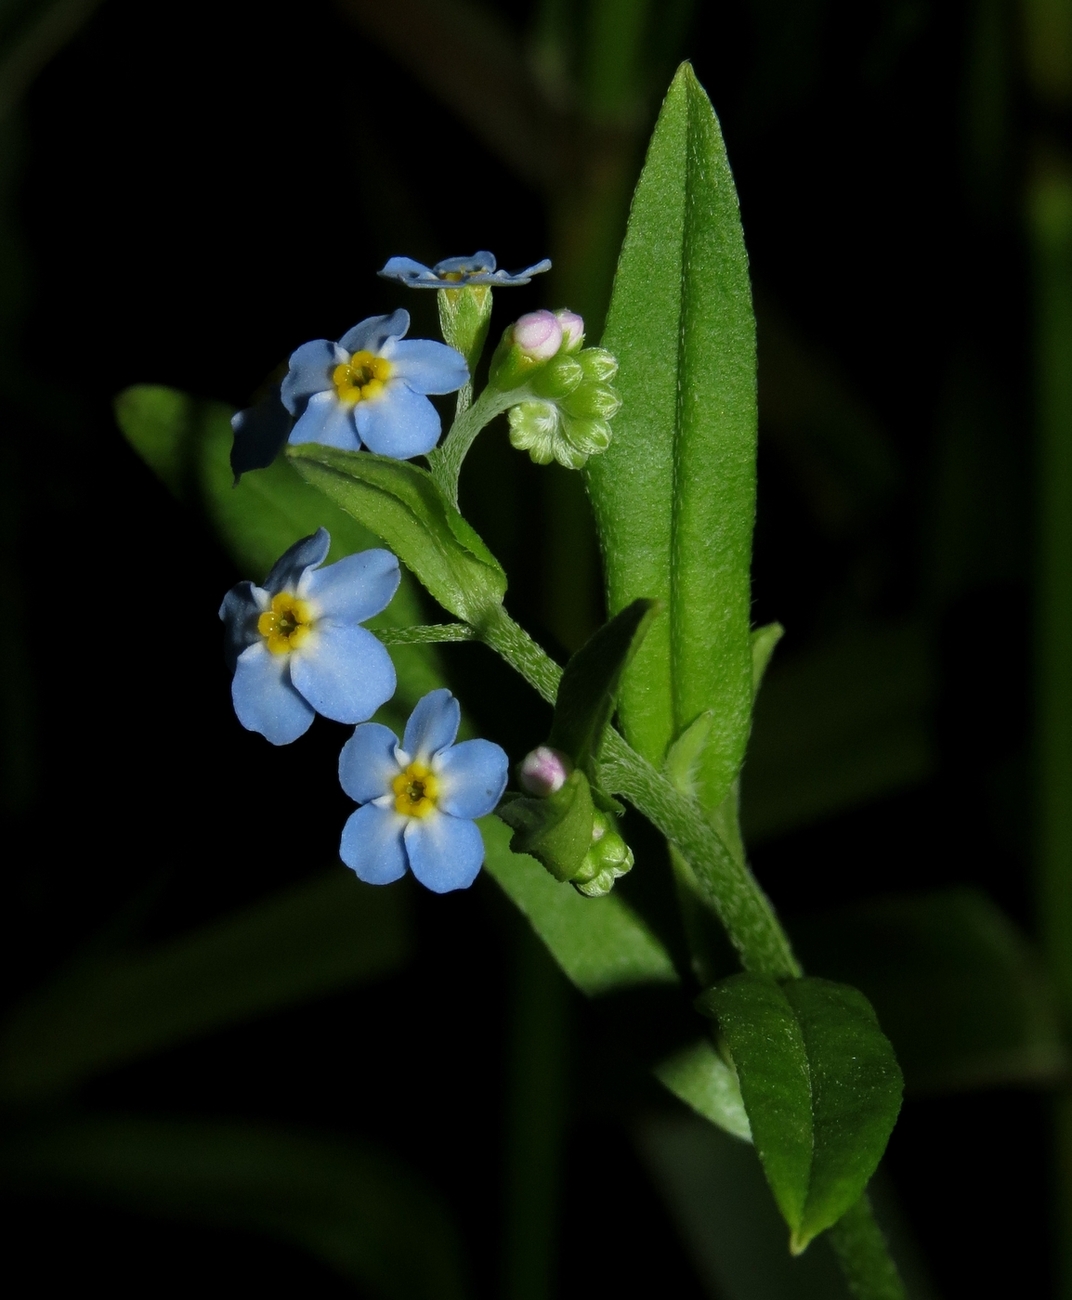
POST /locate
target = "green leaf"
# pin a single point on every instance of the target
(601, 944)
(821, 1087)
(674, 495)
(362, 1213)
(104, 1012)
(402, 505)
(702, 1079)
(764, 641)
(187, 444)
(589, 686)
(556, 831)
(992, 1016)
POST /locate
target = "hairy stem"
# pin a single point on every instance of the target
(445, 461)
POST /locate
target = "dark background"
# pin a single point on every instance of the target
(189, 193)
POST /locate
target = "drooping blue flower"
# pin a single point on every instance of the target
(371, 388)
(453, 272)
(419, 799)
(296, 645)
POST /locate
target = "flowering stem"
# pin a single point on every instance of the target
(425, 634)
(733, 891)
(446, 460)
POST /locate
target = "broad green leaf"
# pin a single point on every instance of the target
(702, 1079)
(401, 504)
(674, 495)
(991, 1014)
(187, 444)
(589, 686)
(362, 1213)
(821, 1087)
(101, 1013)
(601, 944)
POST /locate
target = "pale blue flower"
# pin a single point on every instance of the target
(453, 272)
(419, 799)
(295, 644)
(370, 388)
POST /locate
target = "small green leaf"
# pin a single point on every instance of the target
(683, 756)
(556, 831)
(701, 1079)
(601, 944)
(589, 687)
(821, 1087)
(359, 1211)
(674, 494)
(317, 937)
(764, 641)
(401, 504)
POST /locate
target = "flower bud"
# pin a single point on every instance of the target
(538, 334)
(572, 329)
(544, 771)
(608, 858)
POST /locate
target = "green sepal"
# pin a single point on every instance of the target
(557, 831)
(558, 378)
(589, 686)
(510, 367)
(464, 316)
(821, 1086)
(401, 503)
(607, 860)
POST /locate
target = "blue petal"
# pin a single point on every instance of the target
(239, 612)
(264, 698)
(372, 844)
(445, 853)
(259, 434)
(409, 272)
(370, 335)
(478, 264)
(427, 366)
(472, 777)
(344, 672)
(310, 371)
(354, 588)
(519, 277)
(401, 423)
(327, 420)
(367, 764)
(432, 725)
(307, 553)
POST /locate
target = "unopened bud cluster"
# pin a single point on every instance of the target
(567, 401)
(608, 859)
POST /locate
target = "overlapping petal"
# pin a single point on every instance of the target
(372, 844)
(310, 371)
(455, 272)
(239, 612)
(370, 335)
(344, 672)
(399, 424)
(444, 852)
(367, 764)
(265, 699)
(306, 553)
(426, 366)
(432, 725)
(354, 588)
(472, 777)
(328, 421)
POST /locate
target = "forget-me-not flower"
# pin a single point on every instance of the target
(453, 272)
(296, 646)
(419, 799)
(371, 388)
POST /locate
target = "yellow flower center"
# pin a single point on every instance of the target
(361, 378)
(416, 790)
(287, 624)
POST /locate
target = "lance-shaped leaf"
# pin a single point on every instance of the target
(557, 831)
(401, 504)
(589, 687)
(821, 1086)
(674, 495)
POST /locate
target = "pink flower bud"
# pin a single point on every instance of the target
(538, 335)
(572, 329)
(544, 771)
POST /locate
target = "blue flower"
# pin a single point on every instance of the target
(295, 644)
(419, 799)
(453, 272)
(370, 388)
